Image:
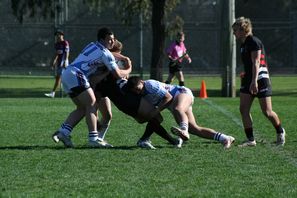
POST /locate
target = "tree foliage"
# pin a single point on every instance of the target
(156, 11)
(32, 8)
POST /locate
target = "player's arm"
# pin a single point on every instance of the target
(188, 57)
(55, 59)
(109, 61)
(128, 63)
(162, 105)
(165, 102)
(255, 56)
(67, 49)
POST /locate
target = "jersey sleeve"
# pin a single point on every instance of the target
(67, 48)
(254, 45)
(109, 60)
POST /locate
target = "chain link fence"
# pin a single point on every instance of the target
(28, 48)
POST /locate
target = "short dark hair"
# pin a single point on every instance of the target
(59, 32)
(103, 32)
(132, 82)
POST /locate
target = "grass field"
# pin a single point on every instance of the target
(32, 165)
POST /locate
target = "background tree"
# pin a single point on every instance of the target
(156, 11)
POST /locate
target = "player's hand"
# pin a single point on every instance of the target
(254, 88)
(189, 60)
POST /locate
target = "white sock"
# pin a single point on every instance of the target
(93, 135)
(103, 130)
(220, 137)
(184, 126)
(66, 129)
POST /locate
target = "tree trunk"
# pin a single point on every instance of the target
(158, 28)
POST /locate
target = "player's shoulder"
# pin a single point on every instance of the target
(253, 39)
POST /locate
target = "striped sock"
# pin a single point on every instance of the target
(184, 126)
(220, 137)
(93, 135)
(66, 129)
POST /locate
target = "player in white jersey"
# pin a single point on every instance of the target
(179, 100)
(95, 57)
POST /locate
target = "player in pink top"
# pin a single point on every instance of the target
(176, 52)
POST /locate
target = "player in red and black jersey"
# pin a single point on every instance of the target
(60, 61)
(255, 81)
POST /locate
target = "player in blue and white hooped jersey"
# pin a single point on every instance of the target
(94, 58)
(179, 100)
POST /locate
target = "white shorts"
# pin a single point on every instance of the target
(74, 81)
(181, 90)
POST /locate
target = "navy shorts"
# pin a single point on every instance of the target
(174, 67)
(264, 87)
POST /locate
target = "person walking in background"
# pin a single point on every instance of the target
(61, 60)
(176, 53)
(255, 81)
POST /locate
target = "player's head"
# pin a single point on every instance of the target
(106, 37)
(59, 35)
(135, 84)
(59, 32)
(180, 36)
(243, 26)
(117, 46)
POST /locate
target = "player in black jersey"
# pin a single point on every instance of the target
(255, 81)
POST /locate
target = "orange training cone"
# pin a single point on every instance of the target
(203, 93)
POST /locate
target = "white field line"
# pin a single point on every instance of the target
(282, 153)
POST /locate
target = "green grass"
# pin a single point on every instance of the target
(31, 165)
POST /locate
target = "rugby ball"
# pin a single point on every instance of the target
(121, 64)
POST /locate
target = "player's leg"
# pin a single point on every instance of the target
(56, 84)
(180, 76)
(246, 101)
(266, 107)
(207, 133)
(153, 125)
(104, 106)
(170, 74)
(179, 106)
(87, 100)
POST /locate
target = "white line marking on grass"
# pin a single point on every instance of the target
(277, 149)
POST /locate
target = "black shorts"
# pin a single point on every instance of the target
(126, 102)
(75, 91)
(174, 67)
(264, 87)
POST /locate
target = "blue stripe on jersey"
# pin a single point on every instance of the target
(173, 91)
(89, 51)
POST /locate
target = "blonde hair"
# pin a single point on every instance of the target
(243, 24)
(117, 46)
